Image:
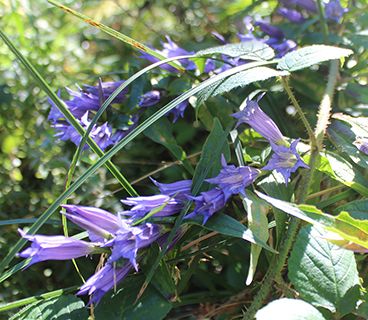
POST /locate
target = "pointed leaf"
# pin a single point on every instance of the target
(323, 273)
(308, 56)
(250, 50)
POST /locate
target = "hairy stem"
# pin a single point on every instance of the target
(285, 83)
(279, 261)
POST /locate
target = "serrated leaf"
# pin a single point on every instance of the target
(348, 228)
(343, 171)
(258, 224)
(250, 50)
(323, 273)
(311, 55)
(240, 79)
(343, 135)
(62, 308)
(289, 309)
(226, 225)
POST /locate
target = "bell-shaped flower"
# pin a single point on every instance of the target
(150, 98)
(104, 280)
(54, 248)
(129, 239)
(253, 115)
(106, 89)
(163, 205)
(180, 190)
(334, 11)
(208, 203)
(270, 30)
(233, 180)
(291, 14)
(99, 223)
(285, 160)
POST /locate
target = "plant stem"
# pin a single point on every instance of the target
(323, 21)
(278, 262)
(285, 83)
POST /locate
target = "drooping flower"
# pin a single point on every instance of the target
(103, 281)
(178, 111)
(107, 89)
(165, 206)
(291, 14)
(334, 10)
(170, 50)
(233, 180)
(253, 115)
(179, 189)
(285, 160)
(150, 98)
(99, 223)
(54, 248)
(208, 203)
(362, 144)
(308, 5)
(282, 47)
(270, 30)
(129, 239)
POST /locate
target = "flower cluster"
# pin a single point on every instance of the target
(83, 104)
(285, 158)
(292, 10)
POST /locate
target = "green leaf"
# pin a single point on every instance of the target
(209, 164)
(275, 187)
(308, 56)
(161, 132)
(258, 224)
(343, 135)
(357, 209)
(343, 171)
(348, 228)
(228, 226)
(250, 50)
(121, 305)
(240, 79)
(323, 273)
(62, 308)
(289, 309)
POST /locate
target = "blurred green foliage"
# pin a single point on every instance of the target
(68, 52)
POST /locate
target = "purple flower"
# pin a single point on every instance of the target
(99, 223)
(104, 280)
(282, 47)
(269, 29)
(143, 205)
(362, 144)
(207, 203)
(209, 66)
(233, 180)
(309, 5)
(334, 10)
(179, 110)
(170, 50)
(179, 189)
(259, 121)
(291, 14)
(150, 98)
(285, 160)
(107, 89)
(129, 239)
(54, 248)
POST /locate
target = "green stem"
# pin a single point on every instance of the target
(285, 83)
(323, 21)
(279, 261)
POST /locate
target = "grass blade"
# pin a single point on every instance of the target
(116, 34)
